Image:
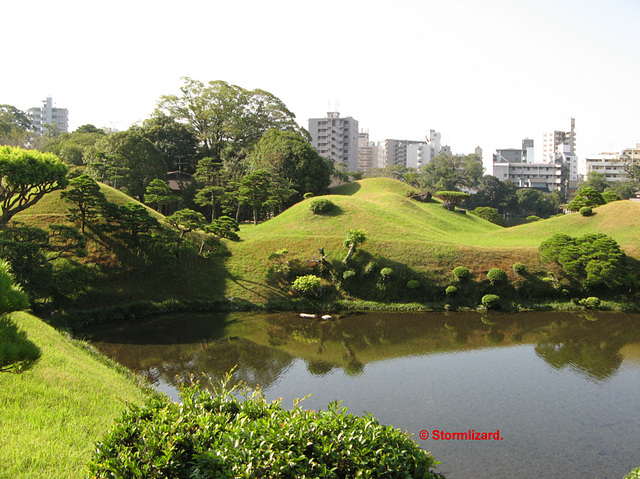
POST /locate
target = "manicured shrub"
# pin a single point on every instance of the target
(489, 214)
(386, 273)
(215, 434)
(532, 218)
(461, 273)
(586, 211)
(413, 284)
(496, 276)
(490, 301)
(610, 196)
(308, 195)
(348, 274)
(451, 290)
(591, 302)
(321, 205)
(519, 268)
(309, 285)
(451, 199)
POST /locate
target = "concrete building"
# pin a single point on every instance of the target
(367, 153)
(336, 138)
(410, 153)
(516, 155)
(608, 164)
(551, 141)
(543, 176)
(47, 114)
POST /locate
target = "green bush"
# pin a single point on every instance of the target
(348, 274)
(591, 302)
(496, 276)
(490, 301)
(586, 211)
(413, 284)
(308, 285)
(519, 268)
(321, 205)
(216, 434)
(635, 474)
(610, 196)
(461, 273)
(451, 290)
(489, 214)
(386, 273)
(308, 195)
(532, 218)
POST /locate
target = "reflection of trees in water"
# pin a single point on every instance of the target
(256, 364)
(590, 346)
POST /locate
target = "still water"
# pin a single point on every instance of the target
(562, 389)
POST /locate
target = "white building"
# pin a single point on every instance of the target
(410, 153)
(551, 141)
(530, 175)
(336, 138)
(48, 115)
(608, 164)
(367, 153)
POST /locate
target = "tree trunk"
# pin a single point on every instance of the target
(352, 249)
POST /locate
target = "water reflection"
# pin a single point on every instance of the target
(171, 349)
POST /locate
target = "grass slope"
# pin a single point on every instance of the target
(53, 413)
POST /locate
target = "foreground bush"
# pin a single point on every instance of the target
(461, 273)
(490, 301)
(214, 434)
(308, 285)
(497, 276)
(321, 205)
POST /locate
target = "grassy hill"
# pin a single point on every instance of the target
(55, 411)
(401, 233)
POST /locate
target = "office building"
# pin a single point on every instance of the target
(47, 114)
(336, 138)
(551, 141)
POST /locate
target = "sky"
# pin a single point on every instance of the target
(483, 73)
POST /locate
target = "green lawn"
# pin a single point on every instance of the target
(53, 413)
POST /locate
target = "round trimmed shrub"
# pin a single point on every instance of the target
(586, 211)
(496, 276)
(592, 302)
(232, 432)
(413, 284)
(451, 290)
(386, 273)
(519, 268)
(532, 218)
(461, 273)
(490, 301)
(309, 285)
(321, 205)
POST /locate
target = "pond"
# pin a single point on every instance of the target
(562, 389)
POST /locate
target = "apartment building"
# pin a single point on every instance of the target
(336, 138)
(552, 140)
(544, 176)
(367, 153)
(410, 153)
(47, 114)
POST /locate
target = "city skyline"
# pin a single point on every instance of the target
(483, 74)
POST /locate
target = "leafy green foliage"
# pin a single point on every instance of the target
(532, 218)
(450, 199)
(586, 211)
(355, 237)
(451, 290)
(490, 301)
(12, 298)
(224, 227)
(610, 196)
(489, 214)
(25, 177)
(386, 273)
(635, 474)
(309, 285)
(593, 259)
(497, 276)
(187, 220)
(519, 268)
(592, 302)
(413, 284)
(158, 193)
(461, 273)
(131, 222)
(215, 434)
(321, 205)
(86, 199)
(586, 197)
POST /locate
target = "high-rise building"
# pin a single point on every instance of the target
(410, 153)
(336, 138)
(47, 114)
(367, 153)
(551, 141)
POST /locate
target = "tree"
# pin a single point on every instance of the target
(448, 172)
(12, 298)
(210, 179)
(223, 115)
(15, 126)
(187, 220)
(491, 192)
(25, 177)
(489, 214)
(586, 197)
(158, 193)
(355, 238)
(130, 222)
(176, 141)
(224, 227)
(86, 197)
(254, 190)
(291, 157)
(128, 161)
(595, 180)
(532, 201)
(450, 199)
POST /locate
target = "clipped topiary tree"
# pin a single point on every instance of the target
(451, 199)
(586, 211)
(489, 214)
(321, 205)
(461, 273)
(451, 290)
(413, 284)
(496, 276)
(519, 268)
(386, 273)
(309, 286)
(490, 301)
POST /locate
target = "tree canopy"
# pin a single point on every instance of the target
(25, 177)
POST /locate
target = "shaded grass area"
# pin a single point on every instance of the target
(53, 412)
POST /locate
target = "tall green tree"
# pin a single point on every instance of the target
(254, 191)
(128, 161)
(291, 157)
(176, 141)
(25, 177)
(223, 115)
(158, 194)
(596, 180)
(210, 180)
(447, 172)
(86, 199)
(15, 126)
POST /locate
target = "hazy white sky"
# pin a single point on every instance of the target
(481, 72)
